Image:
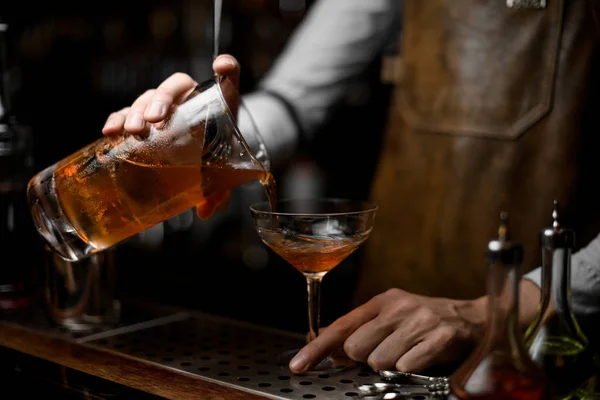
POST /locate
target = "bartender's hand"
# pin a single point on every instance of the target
(400, 330)
(153, 106)
(408, 332)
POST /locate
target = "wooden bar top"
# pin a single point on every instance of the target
(114, 366)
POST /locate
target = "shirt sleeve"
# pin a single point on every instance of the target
(585, 279)
(332, 46)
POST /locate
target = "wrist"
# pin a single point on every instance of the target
(529, 302)
(474, 312)
(474, 315)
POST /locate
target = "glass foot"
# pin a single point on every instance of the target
(335, 363)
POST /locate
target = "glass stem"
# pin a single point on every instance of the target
(313, 285)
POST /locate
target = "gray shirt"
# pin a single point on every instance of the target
(327, 52)
(332, 46)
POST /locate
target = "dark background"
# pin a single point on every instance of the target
(71, 64)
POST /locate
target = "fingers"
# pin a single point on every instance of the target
(212, 204)
(389, 350)
(152, 106)
(366, 339)
(135, 123)
(333, 337)
(308, 334)
(434, 349)
(228, 66)
(172, 90)
(115, 121)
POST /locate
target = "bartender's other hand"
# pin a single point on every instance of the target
(400, 330)
(153, 106)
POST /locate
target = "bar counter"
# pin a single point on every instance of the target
(167, 352)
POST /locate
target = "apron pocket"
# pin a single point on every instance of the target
(478, 67)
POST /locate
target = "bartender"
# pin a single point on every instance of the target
(491, 111)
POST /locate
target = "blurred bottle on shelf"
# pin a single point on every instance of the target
(20, 248)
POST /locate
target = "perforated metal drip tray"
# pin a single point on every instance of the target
(232, 353)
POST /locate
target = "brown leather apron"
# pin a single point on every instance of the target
(492, 112)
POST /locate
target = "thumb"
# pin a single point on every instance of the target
(227, 66)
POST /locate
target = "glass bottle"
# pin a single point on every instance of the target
(500, 368)
(555, 340)
(19, 269)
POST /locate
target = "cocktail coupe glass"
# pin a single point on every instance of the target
(314, 236)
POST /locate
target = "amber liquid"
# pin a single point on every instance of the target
(504, 385)
(112, 204)
(270, 187)
(311, 254)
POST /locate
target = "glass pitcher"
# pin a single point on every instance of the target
(119, 186)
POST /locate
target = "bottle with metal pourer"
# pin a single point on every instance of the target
(555, 339)
(500, 368)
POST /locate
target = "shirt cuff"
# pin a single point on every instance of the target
(585, 283)
(585, 280)
(265, 113)
(535, 276)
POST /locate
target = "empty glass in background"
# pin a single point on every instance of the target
(82, 295)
